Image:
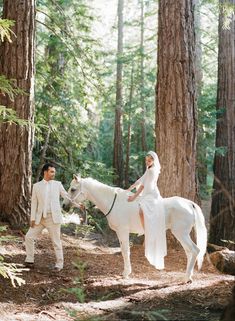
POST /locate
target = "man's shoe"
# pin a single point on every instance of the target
(57, 269)
(29, 265)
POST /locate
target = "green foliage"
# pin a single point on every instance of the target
(7, 86)
(68, 85)
(5, 29)
(206, 138)
(228, 10)
(10, 271)
(8, 115)
(79, 290)
(98, 222)
(77, 110)
(132, 111)
(209, 14)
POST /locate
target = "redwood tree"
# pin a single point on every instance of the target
(176, 99)
(17, 63)
(142, 101)
(118, 139)
(222, 220)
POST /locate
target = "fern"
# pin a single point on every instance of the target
(5, 29)
(11, 271)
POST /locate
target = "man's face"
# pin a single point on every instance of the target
(49, 174)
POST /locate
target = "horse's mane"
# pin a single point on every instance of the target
(95, 182)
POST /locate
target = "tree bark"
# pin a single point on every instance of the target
(128, 145)
(142, 104)
(118, 139)
(43, 151)
(17, 62)
(176, 118)
(201, 148)
(222, 219)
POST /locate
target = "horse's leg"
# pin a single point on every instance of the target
(123, 237)
(191, 251)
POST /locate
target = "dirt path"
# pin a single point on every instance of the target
(95, 271)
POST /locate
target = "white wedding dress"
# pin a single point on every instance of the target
(154, 217)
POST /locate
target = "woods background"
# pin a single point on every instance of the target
(99, 85)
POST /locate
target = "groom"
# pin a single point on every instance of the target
(46, 213)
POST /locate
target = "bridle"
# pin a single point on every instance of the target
(74, 203)
(72, 200)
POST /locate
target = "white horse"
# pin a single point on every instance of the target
(123, 217)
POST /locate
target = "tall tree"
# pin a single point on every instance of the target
(142, 102)
(201, 149)
(129, 127)
(17, 62)
(68, 84)
(222, 220)
(118, 139)
(176, 99)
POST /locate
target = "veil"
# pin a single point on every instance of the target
(155, 160)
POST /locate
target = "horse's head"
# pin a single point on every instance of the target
(75, 192)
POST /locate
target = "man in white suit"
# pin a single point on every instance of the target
(46, 213)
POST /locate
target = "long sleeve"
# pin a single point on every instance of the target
(139, 181)
(63, 192)
(34, 204)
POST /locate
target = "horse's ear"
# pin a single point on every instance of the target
(77, 177)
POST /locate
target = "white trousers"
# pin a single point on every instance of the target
(54, 232)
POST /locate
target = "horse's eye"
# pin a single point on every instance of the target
(73, 189)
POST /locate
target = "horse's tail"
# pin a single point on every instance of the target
(201, 233)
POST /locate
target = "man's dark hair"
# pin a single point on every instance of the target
(46, 167)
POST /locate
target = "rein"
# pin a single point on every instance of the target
(115, 196)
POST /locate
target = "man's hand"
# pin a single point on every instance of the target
(82, 207)
(32, 224)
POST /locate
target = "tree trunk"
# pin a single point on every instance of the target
(128, 145)
(142, 104)
(118, 139)
(44, 150)
(17, 62)
(201, 148)
(176, 99)
(222, 220)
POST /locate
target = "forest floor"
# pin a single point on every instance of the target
(92, 274)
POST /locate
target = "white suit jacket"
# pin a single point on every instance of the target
(39, 198)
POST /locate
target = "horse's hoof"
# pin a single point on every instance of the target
(188, 280)
(125, 275)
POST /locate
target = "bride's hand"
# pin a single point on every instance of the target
(131, 198)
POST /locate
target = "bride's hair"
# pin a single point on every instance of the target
(148, 155)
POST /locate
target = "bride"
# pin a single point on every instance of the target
(151, 211)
